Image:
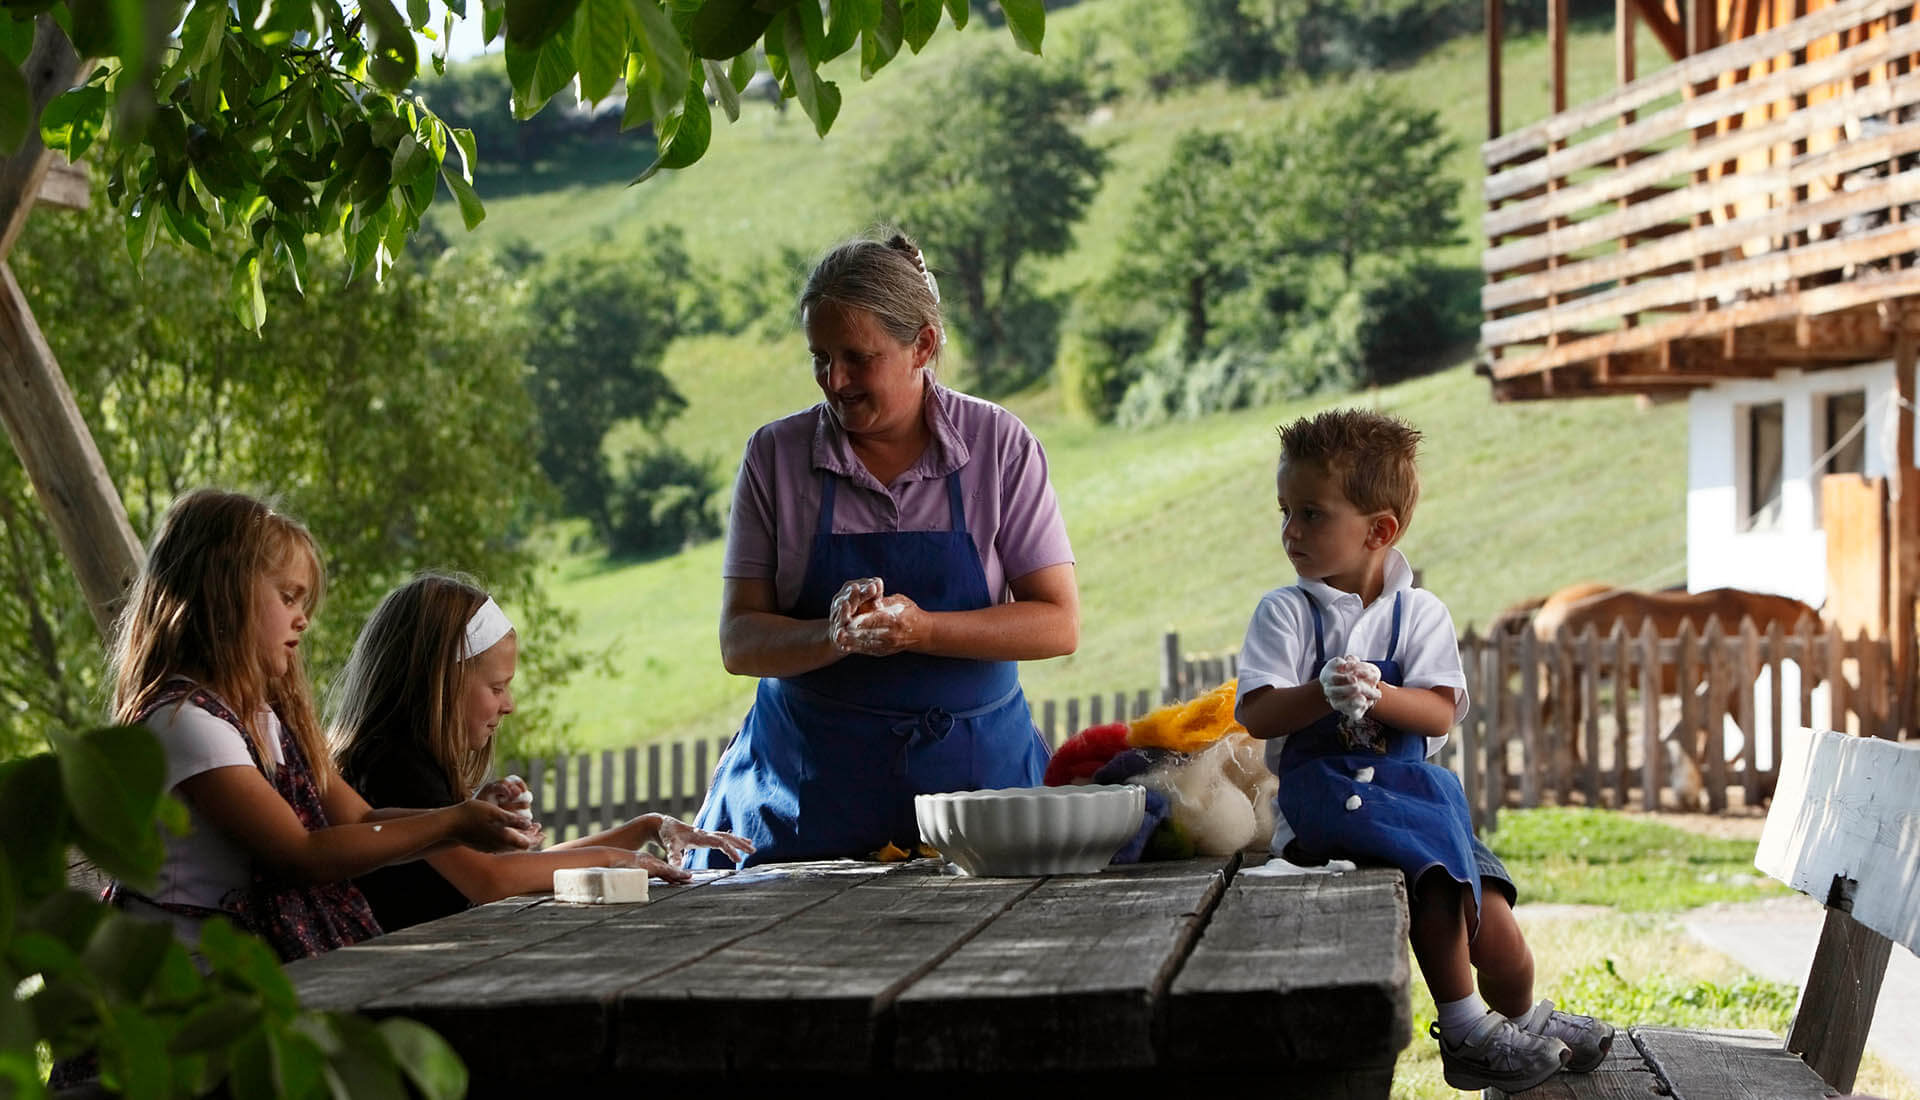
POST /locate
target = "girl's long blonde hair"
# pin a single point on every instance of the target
(405, 678)
(191, 613)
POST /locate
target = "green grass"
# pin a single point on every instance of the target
(1598, 857)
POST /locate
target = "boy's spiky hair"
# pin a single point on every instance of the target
(1372, 455)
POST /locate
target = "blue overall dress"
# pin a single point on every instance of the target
(827, 762)
(1412, 815)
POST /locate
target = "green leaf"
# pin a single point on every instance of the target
(17, 1030)
(133, 1053)
(683, 141)
(845, 20)
(418, 13)
(463, 140)
(201, 35)
(814, 31)
(1027, 19)
(600, 46)
(249, 301)
(411, 160)
(492, 20)
(298, 1063)
(957, 11)
(918, 20)
(722, 88)
(723, 29)
(740, 71)
(112, 779)
(394, 58)
(533, 23)
(16, 106)
(34, 825)
(213, 1025)
(250, 1065)
(879, 45)
(819, 98)
(426, 1058)
(553, 69)
(247, 960)
(471, 211)
(124, 954)
(72, 121)
(294, 243)
(8, 893)
(660, 43)
(362, 1064)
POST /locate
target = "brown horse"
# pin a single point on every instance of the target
(1579, 606)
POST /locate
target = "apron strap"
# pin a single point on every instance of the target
(1393, 643)
(956, 504)
(1319, 634)
(828, 483)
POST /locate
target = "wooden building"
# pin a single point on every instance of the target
(1740, 228)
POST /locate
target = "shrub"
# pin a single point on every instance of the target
(660, 500)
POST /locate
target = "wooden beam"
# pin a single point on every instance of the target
(1495, 12)
(1903, 566)
(65, 185)
(1663, 27)
(55, 447)
(60, 458)
(1702, 34)
(1557, 45)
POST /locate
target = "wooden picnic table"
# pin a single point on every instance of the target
(898, 974)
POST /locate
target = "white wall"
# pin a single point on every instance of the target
(1791, 558)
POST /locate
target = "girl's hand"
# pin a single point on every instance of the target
(486, 827)
(854, 597)
(511, 792)
(677, 837)
(891, 625)
(657, 867)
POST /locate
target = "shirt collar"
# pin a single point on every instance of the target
(833, 451)
(1399, 578)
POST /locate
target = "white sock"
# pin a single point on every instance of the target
(1457, 1017)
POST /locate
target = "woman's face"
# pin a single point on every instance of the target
(872, 382)
(489, 693)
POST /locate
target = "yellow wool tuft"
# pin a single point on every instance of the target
(1188, 726)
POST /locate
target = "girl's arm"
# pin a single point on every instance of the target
(483, 877)
(671, 833)
(247, 809)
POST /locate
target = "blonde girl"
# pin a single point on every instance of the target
(207, 656)
(413, 722)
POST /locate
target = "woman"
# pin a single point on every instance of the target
(892, 552)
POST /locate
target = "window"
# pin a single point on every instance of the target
(1843, 432)
(1762, 439)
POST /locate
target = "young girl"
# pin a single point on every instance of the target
(414, 716)
(208, 657)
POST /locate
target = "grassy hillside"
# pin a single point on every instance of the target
(1174, 527)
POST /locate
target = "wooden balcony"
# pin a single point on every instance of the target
(1751, 207)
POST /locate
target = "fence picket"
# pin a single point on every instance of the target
(1713, 709)
(1564, 703)
(1095, 707)
(629, 793)
(1622, 735)
(558, 811)
(1651, 761)
(1746, 676)
(1776, 698)
(1590, 711)
(1468, 740)
(1530, 762)
(583, 794)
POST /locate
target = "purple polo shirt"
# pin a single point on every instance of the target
(1011, 510)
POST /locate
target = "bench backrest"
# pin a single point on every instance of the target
(1845, 823)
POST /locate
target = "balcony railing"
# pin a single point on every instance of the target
(1751, 206)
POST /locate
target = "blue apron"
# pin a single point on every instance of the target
(827, 763)
(1412, 815)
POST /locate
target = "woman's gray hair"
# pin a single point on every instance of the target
(885, 275)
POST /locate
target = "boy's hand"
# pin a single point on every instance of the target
(1352, 686)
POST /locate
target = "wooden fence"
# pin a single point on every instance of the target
(1582, 720)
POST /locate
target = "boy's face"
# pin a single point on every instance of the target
(1326, 537)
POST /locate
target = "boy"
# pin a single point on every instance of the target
(1349, 737)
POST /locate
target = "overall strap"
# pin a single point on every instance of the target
(828, 484)
(956, 506)
(1319, 634)
(1393, 643)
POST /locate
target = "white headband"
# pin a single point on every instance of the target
(488, 625)
(934, 289)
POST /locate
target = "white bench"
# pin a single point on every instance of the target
(1844, 827)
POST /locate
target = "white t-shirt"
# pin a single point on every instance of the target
(1279, 652)
(203, 866)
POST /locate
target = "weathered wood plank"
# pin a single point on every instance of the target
(1836, 1006)
(1316, 967)
(845, 958)
(1624, 1075)
(1011, 999)
(1725, 1065)
(551, 1004)
(1849, 808)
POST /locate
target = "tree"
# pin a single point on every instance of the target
(993, 176)
(605, 321)
(1367, 175)
(1187, 239)
(291, 120)
(391, 418)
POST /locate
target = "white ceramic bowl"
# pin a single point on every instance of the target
(1031, 830)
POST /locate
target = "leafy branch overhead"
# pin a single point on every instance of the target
(289, 120)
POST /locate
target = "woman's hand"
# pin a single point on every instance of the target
(890, 625)
(677, 837)
(489, 828)
(854, 597)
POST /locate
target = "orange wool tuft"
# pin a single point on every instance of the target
(1188, 726)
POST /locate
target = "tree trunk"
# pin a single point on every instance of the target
(1196, 317)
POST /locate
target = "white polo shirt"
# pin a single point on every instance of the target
(1279, 652)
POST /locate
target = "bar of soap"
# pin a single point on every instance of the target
(600, 885)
